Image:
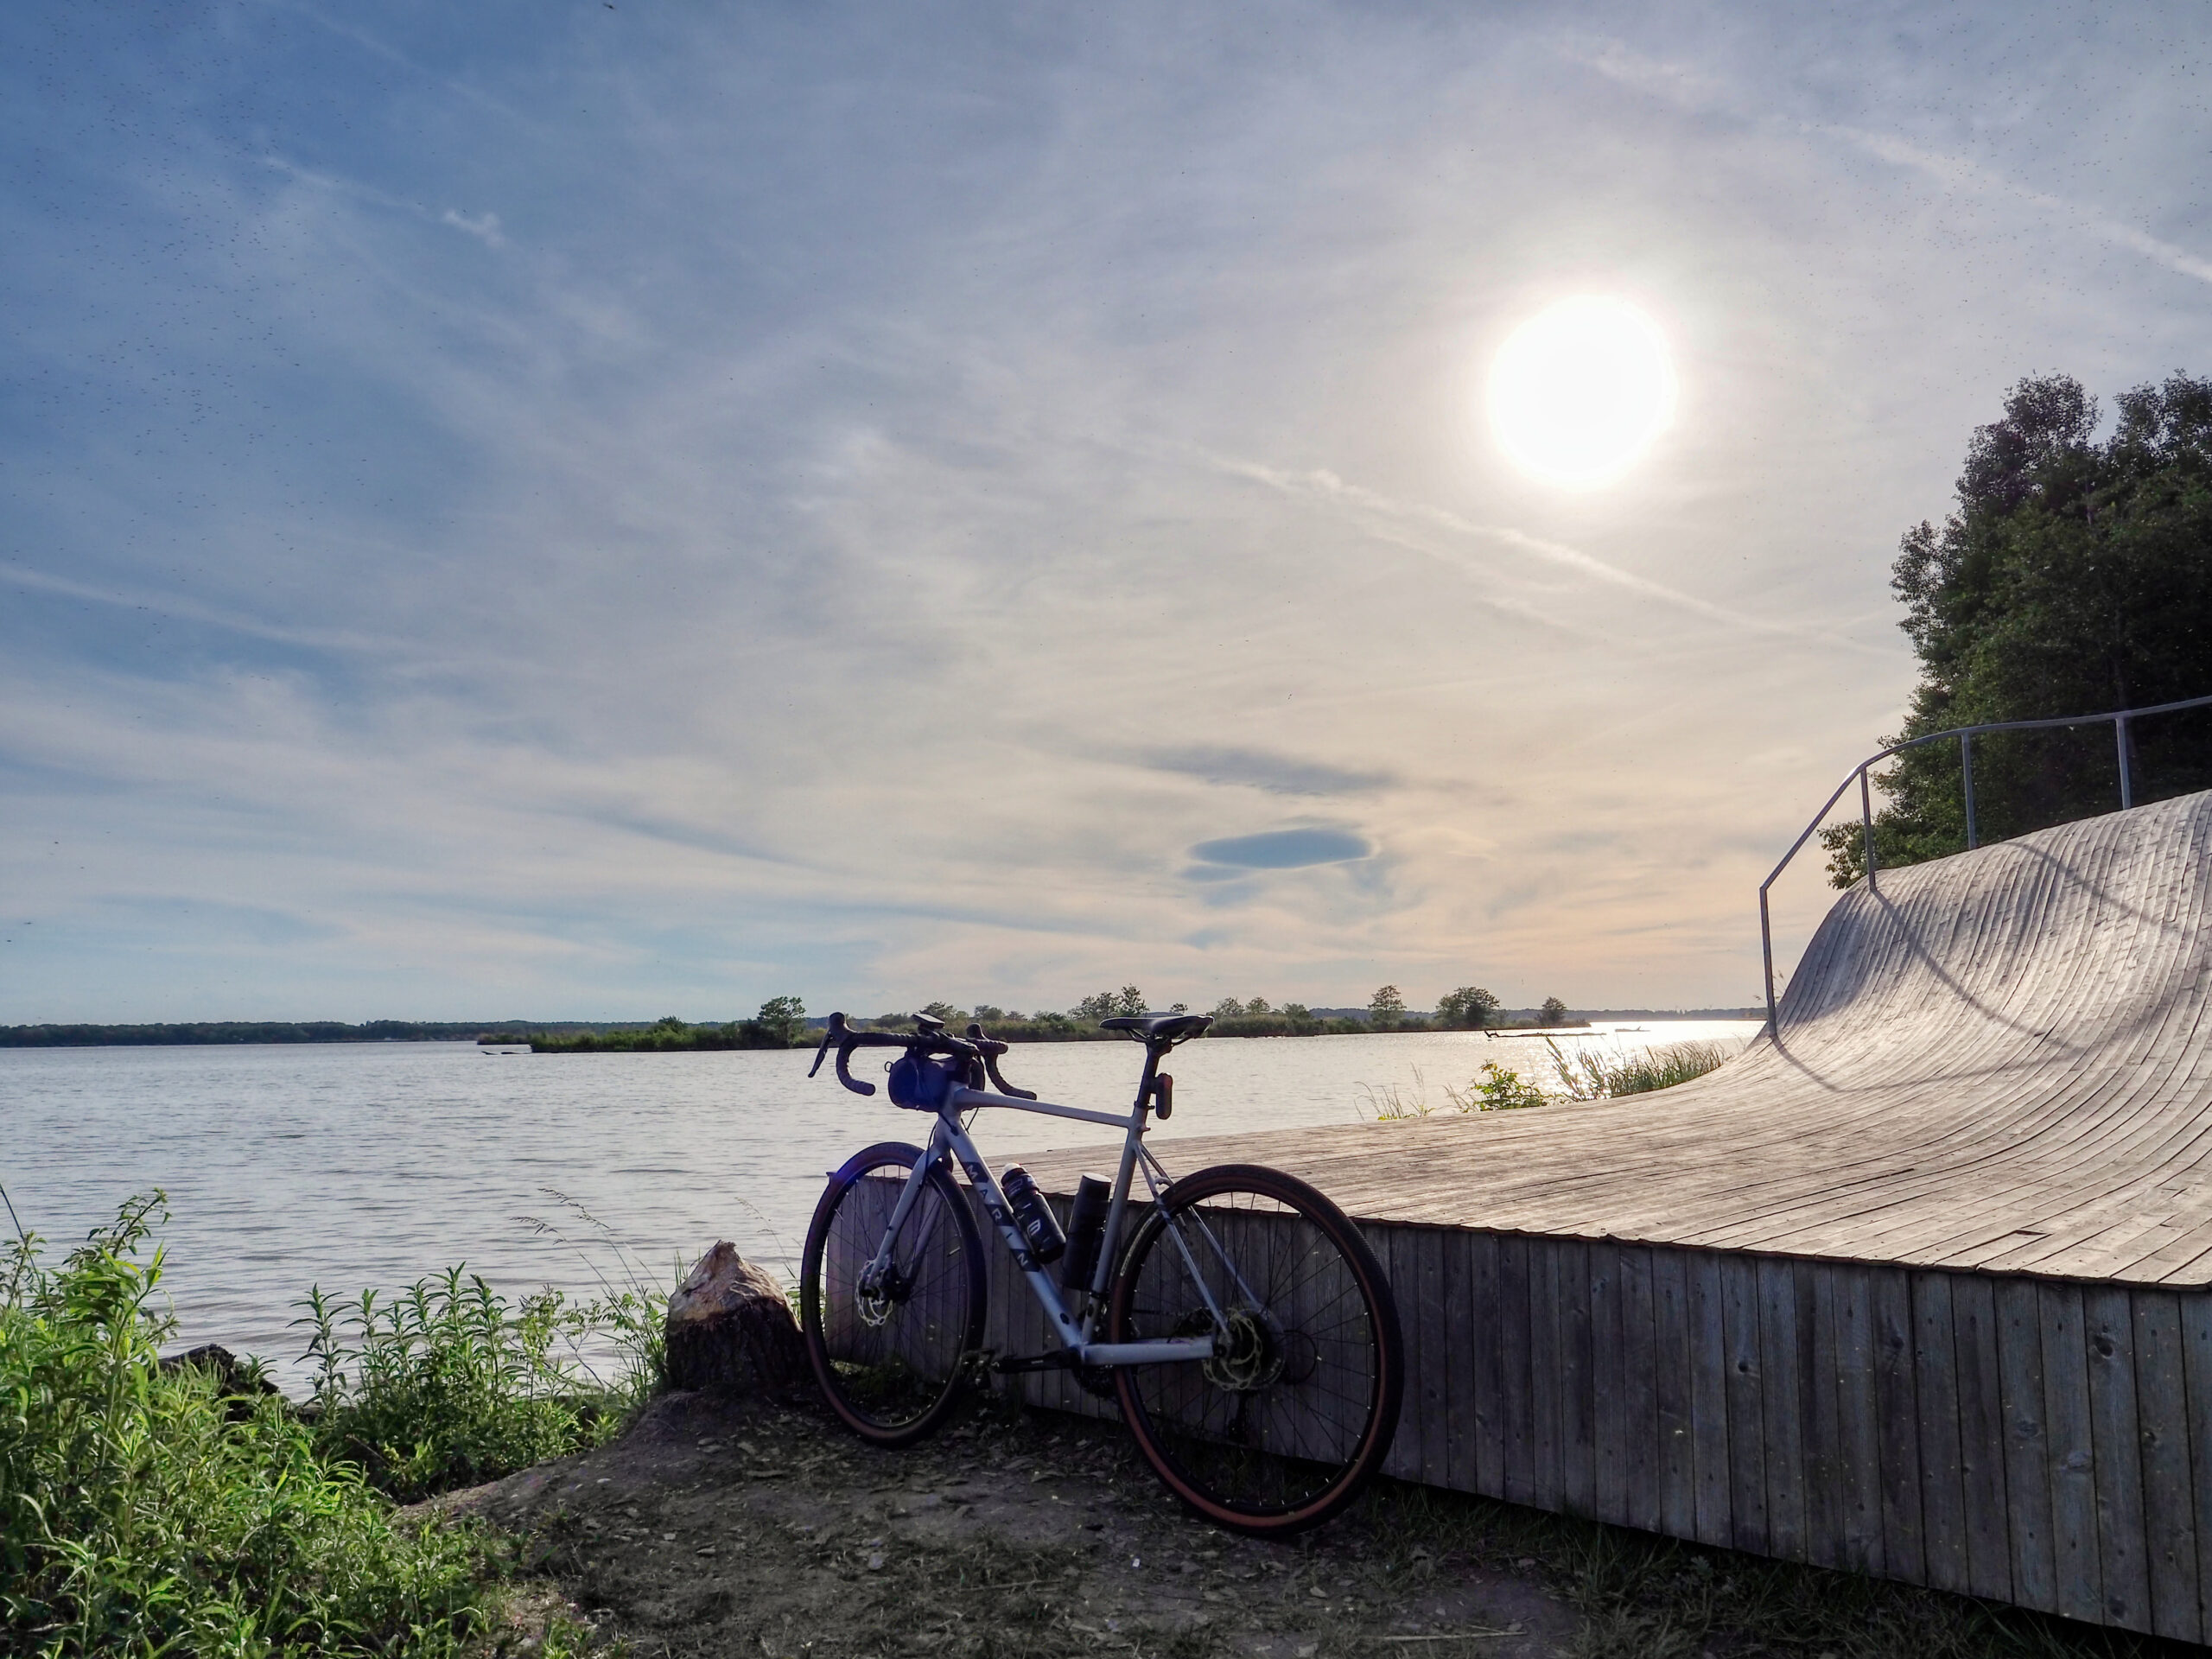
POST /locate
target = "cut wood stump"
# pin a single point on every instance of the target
(730, 1328)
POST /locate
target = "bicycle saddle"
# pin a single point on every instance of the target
(1159, 1027)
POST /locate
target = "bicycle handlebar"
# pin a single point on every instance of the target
(974, 1046)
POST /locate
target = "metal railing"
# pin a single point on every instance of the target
(1965, 736)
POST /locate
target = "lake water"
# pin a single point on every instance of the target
(355, 1165)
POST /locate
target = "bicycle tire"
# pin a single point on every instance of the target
(891, 1364)
(1283, 1431)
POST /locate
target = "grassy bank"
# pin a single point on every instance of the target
(151, 1509)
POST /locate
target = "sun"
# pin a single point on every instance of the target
(1578, 391)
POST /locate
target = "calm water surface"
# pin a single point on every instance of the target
(353, 1165)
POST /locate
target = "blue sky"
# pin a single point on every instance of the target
(613, 510)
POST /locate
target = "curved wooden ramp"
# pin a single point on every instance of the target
(1917, 1287)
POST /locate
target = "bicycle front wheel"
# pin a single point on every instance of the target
(1294, 1413)
(890, 1332)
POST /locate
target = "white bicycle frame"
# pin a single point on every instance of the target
(949, 1138)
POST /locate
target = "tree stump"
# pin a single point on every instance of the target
(730, 1328)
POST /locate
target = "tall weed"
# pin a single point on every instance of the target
(1587, 1075)
(141, 1515)
(449, 1383)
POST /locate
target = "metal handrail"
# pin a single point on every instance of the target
(1965, 735)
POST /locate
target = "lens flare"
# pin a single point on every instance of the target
(1578, 391)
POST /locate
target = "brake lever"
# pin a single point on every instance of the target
(992, 1050)
(847, 1039)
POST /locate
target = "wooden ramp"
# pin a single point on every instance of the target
(1920, 1284)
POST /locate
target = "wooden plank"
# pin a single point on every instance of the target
(1463, 1407)
(2196, 1373)
(1747, 1505)
(1709, 1397)
(1896, 1405)
(1609, 1384)
(1858, 1441)
(1578, 1436)
(1781, 1409)
(1397, 1252)
(2077, 1557)
(1981, 1435)
(2109, 1323)
(2169, 1503)
(1546, 1381)
(1490, 1347)
(1673, 1369)
(1819, 1412)
(1428, 1254)
(1517, 1349)
(1639, 1417)
(1935, 1385)
(2027, 1448)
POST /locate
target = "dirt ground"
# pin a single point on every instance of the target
(717, 1527)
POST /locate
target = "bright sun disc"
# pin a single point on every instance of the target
(1578, 391)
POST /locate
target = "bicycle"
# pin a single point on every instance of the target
(1248, 1334)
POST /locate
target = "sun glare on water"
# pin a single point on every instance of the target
(1578, 391)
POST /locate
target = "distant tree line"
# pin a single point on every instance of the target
(194, 1033)
(782, 1022)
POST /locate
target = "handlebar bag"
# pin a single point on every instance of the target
(920, 1085)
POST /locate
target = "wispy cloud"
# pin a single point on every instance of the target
(1264, 769)
(485, 228)
(1325, 485)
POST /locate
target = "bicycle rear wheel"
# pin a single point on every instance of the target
(1293, 1414)
(889, 1351)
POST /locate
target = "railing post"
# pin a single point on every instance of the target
(2126, 774)
(1965, 771)
(1866, 823)
(1766, 957)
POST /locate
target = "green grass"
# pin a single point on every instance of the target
(140, 1514)
(143, 1514)
(449, 1385)
(1585, 1075)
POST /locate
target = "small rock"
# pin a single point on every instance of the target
(875, 1562)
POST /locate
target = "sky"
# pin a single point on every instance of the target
(609, 509)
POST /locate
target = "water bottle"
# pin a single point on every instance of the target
(1040, 1228)
(1086, 1232)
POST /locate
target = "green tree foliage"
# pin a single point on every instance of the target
(783, 1018)
(1386, 1009)
(1469, 1009)
(1229, 1008)
(945, 1011)
(2072, 576)
(1554, 1013)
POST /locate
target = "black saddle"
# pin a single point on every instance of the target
(1159, 1027)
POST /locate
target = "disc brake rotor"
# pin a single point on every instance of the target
(1246, 1354)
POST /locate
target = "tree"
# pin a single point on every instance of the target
(2072, 576)
(1468, 1008)
(782, 1017)
(943, 1011)
(1131, 1001)
(1258, 1004)
(1229, 1008)
(1386, 1008)
(1554, 1013)
(1098, 1006)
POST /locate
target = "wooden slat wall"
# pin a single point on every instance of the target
(2026, 1440)
(2020, 1439)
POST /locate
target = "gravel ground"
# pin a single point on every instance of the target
(718, 1527)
